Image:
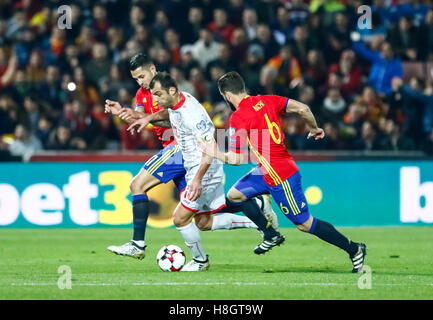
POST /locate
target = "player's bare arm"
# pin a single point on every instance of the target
(212, 150)
(304, 111)
(160, 118)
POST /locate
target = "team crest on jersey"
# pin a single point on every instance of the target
(203, 126)
(144, 100)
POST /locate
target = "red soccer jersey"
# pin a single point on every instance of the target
(144, 99)
(257, 123)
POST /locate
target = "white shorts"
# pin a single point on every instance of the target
(211, 200)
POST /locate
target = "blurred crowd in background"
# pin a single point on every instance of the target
(370, 89)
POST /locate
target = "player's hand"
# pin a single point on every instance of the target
(126, 114)
(210, 148)
(316, 133)
(112, 107)
(139, 124)
(194, 190)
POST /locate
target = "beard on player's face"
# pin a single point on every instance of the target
(232, 107)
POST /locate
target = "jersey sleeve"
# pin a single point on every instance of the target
(279, 102)
(238, 134)
(139, 102)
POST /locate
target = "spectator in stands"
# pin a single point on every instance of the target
(339, 37)
(160, 25)
(101, 23)
(369, 139)
(374, 107)
(205, 49)
(316, 32)
(250, 70)
(384, 67)
(221, 29)
(404, 37)
(200, 84)
(281, 27)
(224, 60)
(417, 108)
(265, 39)
(193, 26)
(84, 90)
(426, 30)
(300, 45)
(250, 22)
(25, 144)
(43, 131)
(350, 72)
(239, 45)
(316, 68)
(35, 70)
(173, 44)
(97, 68)
(394, 140)
(61, 139)
(51, 91)
(333, 107)
(8, 114)
(287, 65)
(298, 12)
(178, 75)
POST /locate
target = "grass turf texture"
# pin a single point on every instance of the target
(303, 268)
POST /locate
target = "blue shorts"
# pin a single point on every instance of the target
(167, 165)
(288, 195)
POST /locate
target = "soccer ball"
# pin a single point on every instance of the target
(170, 258)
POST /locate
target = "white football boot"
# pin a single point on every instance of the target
(270, 214)
(129, 249)
(195, 265)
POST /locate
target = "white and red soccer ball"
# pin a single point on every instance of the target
(170, 258)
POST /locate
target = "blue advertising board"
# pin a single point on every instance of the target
(345, 193)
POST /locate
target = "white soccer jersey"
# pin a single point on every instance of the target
(190, 123)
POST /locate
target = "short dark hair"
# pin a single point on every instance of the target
(139, 60)
(231, 82)
(164, 79)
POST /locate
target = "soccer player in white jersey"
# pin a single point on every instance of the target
(204, 194)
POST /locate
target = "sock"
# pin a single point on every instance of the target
(191, 235)
(328, 233)
(231, 221)
(231, 207)
(252, 211)
(140, 212)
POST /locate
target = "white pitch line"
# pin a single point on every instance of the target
(305, 284)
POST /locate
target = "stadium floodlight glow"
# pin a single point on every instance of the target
(72, 86)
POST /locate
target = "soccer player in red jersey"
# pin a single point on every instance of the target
(256, 123)
(161, 168)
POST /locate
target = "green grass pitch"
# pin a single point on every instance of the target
(304, 267)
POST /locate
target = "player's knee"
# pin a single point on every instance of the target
(303, 227)
(306, 226)
(135, 186)
(204, 222)
(178, 221)
(236, 196)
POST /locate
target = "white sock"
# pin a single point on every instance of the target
(191, 235)
(139, 243)
(231, 221)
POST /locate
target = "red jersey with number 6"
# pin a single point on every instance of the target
(256, 123)
(144, 99)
